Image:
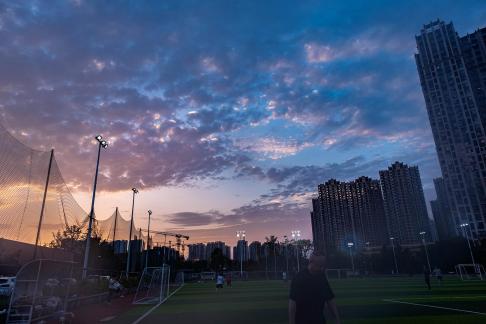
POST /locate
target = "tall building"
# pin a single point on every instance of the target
(348, 212)
(241, 251)
(197, 252)
(442, 211)
(405, 209)
(317, 226)
(452, 72)
(211, 246)
(255, 251)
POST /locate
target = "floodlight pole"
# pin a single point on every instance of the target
(350, 246)
(426, 252)
(114, 228)
(104, 144)
(296, 234)
(43, 205)
(148, 238)
(135, 191)
(394, 256)
(242, 235)
(286, 254)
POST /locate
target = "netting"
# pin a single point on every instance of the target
(153, 286)
(23, 174)
(116, 228)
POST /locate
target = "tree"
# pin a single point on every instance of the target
(69, 239)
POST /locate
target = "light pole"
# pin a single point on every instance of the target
(241, 238)
(426, 252)
(148, 239)
(350, 246)
(464, 232)
(101, 144)
(286, 254)
(369, 264)
(394, 256)
(296, 237)
(135, 191)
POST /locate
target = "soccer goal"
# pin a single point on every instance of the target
(155, 285)
(470, 271)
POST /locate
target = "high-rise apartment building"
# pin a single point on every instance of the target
(405, 209)
(452, 72)
(348, 212)
(442, 211)
(211, 246)
(197, 252)
(241, 251)
(255, 251)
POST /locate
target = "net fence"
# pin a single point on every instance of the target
(23, 176)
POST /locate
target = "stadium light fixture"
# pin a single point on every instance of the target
(104, 144)
(135, 191)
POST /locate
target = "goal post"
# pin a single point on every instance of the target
(153, 286)
(157, 284)
(470, 271)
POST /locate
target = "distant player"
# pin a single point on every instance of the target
(219, 281)
(438, 275)
(228, 279)
(309, 294)
(427, 277)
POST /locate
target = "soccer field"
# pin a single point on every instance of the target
(376, 300)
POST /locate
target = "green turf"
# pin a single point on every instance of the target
(360, 301)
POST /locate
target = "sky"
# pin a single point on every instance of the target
(226, 115)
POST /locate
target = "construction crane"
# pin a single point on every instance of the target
(179, 239)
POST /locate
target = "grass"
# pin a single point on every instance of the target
(360, 301)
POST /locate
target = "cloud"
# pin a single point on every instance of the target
(236, 87)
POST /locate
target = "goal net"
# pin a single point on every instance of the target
(153, 286)
(157, 284)
(470, 271)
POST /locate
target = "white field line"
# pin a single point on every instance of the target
(431, 306)
(147, 313)
(445, 297)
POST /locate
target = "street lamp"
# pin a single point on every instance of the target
(296, 237)
(135, 191)
(394, 256)
(148, 239)
(241, 237)
(426, 252)
(350, 246)
(464, 232)
(286, 254)
(101, 144)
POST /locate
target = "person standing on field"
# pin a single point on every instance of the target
(310, 293)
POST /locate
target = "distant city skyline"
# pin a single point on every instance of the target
(225, 115)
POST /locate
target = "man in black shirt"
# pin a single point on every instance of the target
(309, 293)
